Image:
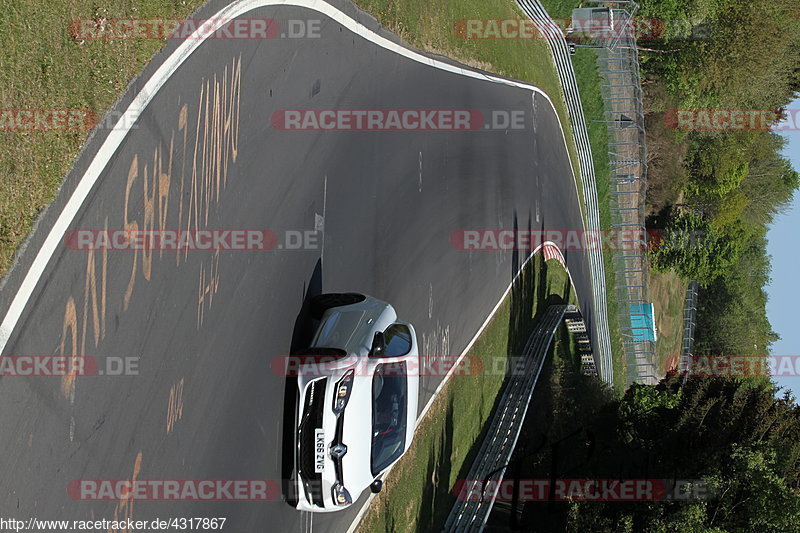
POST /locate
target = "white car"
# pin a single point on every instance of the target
(358, 387)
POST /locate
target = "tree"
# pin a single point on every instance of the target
(734, 54)
(734, 437)
(696, 250)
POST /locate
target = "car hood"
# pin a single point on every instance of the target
(357, 436)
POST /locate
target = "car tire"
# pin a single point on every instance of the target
(323, 302)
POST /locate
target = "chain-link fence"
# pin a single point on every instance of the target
(618, 62)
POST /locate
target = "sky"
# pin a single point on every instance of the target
(784, 290)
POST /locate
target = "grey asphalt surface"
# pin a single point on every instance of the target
(386, 233)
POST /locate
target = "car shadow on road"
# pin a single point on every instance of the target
(301, 338)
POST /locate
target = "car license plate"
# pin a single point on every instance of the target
(319, 450)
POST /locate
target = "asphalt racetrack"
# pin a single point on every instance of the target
(368, 211)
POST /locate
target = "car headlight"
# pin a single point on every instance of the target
(341, 394)
(340, 495)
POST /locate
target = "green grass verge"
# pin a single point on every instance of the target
(417, 494)
(43, 67)
(560, 9)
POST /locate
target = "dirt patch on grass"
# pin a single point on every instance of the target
(667, 292)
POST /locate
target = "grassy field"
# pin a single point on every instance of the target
(43, 67)
(417, 494)
(666, 291)
(561, 9)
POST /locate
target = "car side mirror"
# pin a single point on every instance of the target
(378, 344)
(376, 486)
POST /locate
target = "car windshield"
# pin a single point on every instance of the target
(389, 385)
(398, 340)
